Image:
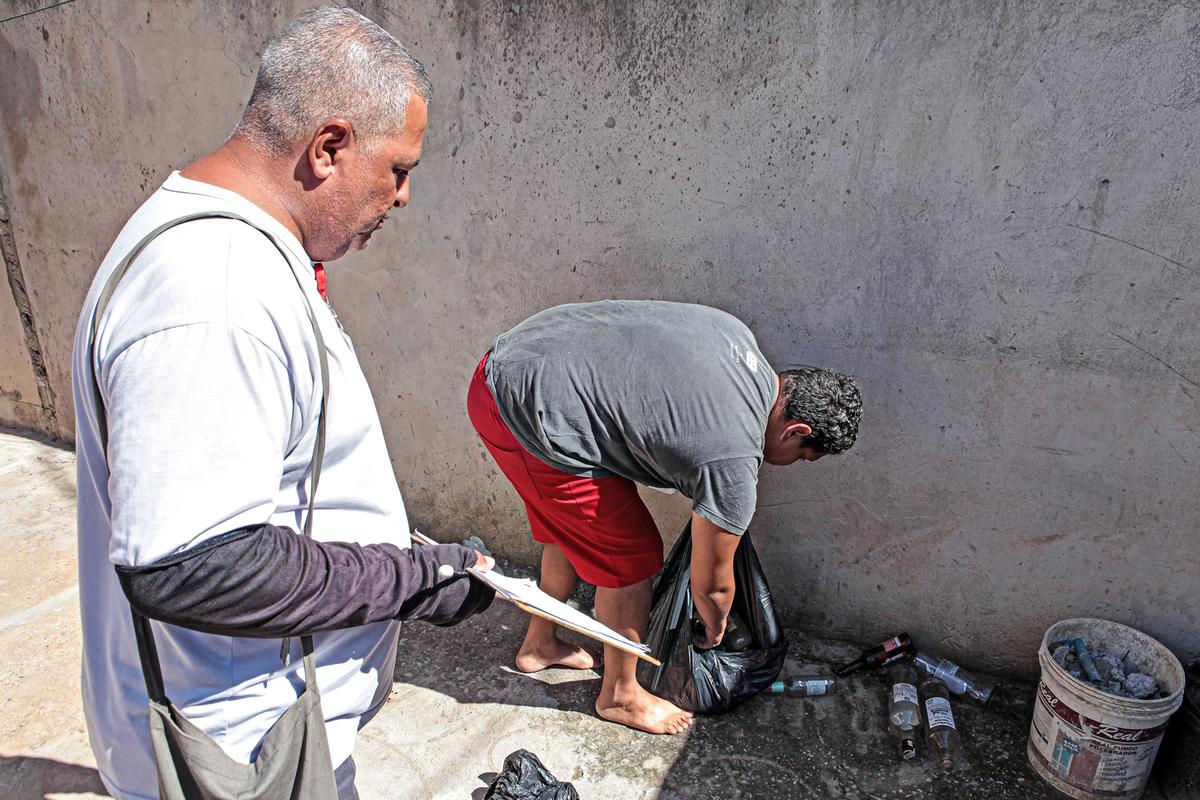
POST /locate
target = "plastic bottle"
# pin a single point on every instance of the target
(904, 710)
(809, 686)
(881, 654)
(941, 733)
(957, 680)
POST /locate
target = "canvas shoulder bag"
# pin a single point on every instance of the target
(294, 761)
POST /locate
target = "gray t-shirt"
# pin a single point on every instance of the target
(668, 395)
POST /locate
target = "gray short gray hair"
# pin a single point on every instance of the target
(331, 63)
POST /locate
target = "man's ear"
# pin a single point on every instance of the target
(328, 147)
(794, 429)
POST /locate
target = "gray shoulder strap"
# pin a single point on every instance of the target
(144, 637)
(119, 273)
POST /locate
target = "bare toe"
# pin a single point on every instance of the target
(646, 712)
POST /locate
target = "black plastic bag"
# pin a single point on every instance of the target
(525, 778)
(711, 681)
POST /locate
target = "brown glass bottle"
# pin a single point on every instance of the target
(881, 655)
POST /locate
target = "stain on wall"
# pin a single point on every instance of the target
(986, 212)
(26, 397)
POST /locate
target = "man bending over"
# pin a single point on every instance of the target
(579, 403)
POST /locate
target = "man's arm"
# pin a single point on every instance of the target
(268, 581)
(712, 576)
(190, 454)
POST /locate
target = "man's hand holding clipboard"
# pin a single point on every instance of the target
(525, 594)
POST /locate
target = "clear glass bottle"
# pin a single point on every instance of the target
(940, 731)
(904, 710)
(957, 680)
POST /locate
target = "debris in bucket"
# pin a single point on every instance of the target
(1140, 685)
(1085, 660)
(940, 731)
(880, 655)
(957, 680)
(904, 714)
(1115, 675)
(808, 686)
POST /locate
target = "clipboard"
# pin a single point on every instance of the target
(525, 595)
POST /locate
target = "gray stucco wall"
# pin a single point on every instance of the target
(986, 211)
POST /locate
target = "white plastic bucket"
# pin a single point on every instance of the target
(1087, 743)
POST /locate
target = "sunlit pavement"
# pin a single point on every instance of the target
(458, 708)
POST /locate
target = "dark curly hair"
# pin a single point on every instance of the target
(827, 401)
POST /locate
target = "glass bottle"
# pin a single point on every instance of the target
(881, 654)
(957, 680)
(941, 733)
(904, 711)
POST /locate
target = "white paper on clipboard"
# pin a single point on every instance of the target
(525, 594)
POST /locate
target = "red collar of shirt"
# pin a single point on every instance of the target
(319, 270)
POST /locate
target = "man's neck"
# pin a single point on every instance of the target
(778, 403)
(233, 166)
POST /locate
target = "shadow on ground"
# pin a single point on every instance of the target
(33, 778)
(839, 746)
(836, 746)
(473, 662)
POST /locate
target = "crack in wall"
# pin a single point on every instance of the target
(16, 281)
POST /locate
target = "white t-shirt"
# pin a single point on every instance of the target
(211, 379)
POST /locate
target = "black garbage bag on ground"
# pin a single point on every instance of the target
(711, 681)
(525, 778)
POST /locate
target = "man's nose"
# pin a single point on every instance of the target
(402, 194)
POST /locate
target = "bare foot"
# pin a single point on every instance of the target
(534, 658)
(646, 712)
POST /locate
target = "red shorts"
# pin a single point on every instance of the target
(601, 524)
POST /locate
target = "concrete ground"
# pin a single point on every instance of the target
(457, 708)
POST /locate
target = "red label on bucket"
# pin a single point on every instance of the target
(1093, 727)
(1056, 706)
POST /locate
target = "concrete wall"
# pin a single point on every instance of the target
(986, 211)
